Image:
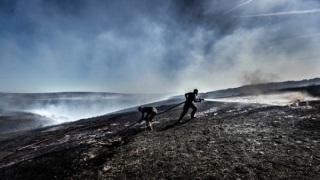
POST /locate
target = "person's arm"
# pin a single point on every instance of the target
(141, 117)
(197, 99)
(186, 95)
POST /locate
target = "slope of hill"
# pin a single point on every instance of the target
(70, 106)
(261, 88)
(12, 121)
(63, 107)
(226, 141)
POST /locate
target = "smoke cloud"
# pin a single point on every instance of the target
(65, 107)
(258, 77)
(305, 36)
(284, 13)
(147, 46)
(283, 99)
(237, 6)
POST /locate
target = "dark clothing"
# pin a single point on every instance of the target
(190, 98)
(186, 107)
(151, 113)
(148, 110)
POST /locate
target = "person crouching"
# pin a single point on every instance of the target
(151, 112)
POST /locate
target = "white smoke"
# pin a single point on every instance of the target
(282, 13)
(151, 46)
(237, 7)
(297, 37)
(283, 99)
(64, 107)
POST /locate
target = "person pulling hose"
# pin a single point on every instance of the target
(151, 113)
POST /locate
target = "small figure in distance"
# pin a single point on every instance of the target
(190, 97)
(151, 112)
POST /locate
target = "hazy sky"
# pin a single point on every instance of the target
(155, 45)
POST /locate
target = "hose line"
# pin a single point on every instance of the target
(171, 108)
(138, 121)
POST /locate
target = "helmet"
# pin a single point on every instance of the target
(195, 91)
(140, 108)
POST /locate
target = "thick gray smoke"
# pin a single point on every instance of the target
(258, 77)
(65, 107)
(28, 111)
(283, 99)
(153, 46)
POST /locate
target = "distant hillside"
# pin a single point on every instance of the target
(23, 101)
(311, 86)
(12, 121)
(70, 106)
(311, 89)
(64, 107)
(260, 88)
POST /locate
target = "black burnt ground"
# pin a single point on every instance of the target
(261, 143)
(226, 141)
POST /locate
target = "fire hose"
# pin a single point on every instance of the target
(139, 121)
(47, 139)
(199, 100)
(170, 108)
(24, 147)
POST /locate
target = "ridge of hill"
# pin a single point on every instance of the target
(11, 121)
(226, 141)
(261, 88)
(78, 105)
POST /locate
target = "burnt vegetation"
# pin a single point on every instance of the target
(226, 141)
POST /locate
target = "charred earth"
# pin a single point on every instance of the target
(225, 141)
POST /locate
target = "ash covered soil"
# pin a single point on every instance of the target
(226, 141)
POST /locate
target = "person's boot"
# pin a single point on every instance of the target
(149, 128)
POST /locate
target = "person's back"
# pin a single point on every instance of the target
(151, 112)
(148, 110)
(191, 96)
